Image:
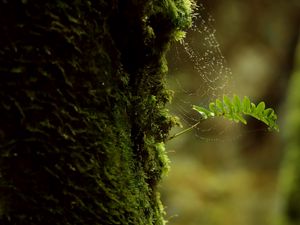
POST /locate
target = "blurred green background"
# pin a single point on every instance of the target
(225, 174)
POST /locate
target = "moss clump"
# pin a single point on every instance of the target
(82, 105)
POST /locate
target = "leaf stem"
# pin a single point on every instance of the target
(184, 131)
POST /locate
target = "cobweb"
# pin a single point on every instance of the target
(198, 73)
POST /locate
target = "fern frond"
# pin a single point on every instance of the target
(235, 109)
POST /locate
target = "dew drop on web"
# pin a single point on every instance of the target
(198, 73)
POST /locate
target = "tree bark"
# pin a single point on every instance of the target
(82, 105)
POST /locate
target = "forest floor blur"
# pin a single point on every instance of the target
(211, 183)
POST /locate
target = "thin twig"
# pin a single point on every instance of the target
(184, 131)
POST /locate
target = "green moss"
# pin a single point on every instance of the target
(82, 105)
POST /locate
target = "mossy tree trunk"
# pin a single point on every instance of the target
(82, 105)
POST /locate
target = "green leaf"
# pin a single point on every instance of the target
(220, 107)
(252, 107)
(212, 107)
(227, 104)
(241, 118)
(235, 110)
(268, 112)
(236, 118)
(226, 100)
(236, 103)
(260, 108)
(246, 105)
(203, 111)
